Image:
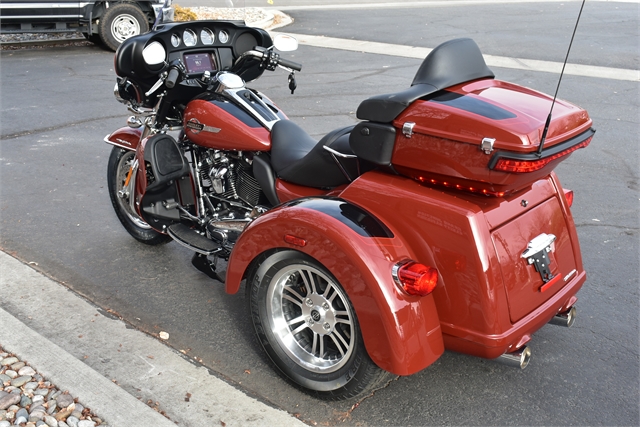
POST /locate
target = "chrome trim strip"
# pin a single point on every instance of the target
(46, 17)
(339, 154)
(119, 145)
(44, 5)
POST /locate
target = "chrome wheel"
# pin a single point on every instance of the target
(310, 318)
(305, 323)
(121, 179)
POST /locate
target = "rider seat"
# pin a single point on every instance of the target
(298, 158)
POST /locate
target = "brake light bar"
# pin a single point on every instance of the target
(531, 162)
(524, 166)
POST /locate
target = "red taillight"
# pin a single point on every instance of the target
(415, 278)
(568, 194)
(445, 184)
(523, 166)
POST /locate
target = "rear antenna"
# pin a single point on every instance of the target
(546, 125)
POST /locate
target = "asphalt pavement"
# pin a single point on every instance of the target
(111, 367)
(57, 105)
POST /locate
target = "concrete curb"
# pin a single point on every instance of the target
(68, 373)
(110, 367)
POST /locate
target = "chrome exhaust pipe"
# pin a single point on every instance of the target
(566, 318)
(519, 358)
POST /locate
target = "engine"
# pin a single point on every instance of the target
(229, 177)
(233, 194)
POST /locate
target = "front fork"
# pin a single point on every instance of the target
(127, 190)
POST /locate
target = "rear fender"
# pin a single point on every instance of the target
(401, 332)
(126, 137)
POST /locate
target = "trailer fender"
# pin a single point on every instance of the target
(401, 332)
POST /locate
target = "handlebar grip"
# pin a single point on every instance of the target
(290, 64)
(172, 78)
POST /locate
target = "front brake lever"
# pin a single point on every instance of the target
(157, 84)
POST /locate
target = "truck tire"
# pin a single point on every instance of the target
(121, 21)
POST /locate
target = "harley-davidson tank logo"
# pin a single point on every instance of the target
(196, 127)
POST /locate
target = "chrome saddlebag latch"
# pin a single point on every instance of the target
(407, 129)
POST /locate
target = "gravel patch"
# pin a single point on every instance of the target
(27, 399)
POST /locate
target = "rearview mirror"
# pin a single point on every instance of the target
(285, 43)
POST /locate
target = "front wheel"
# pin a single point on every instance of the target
(121, 21)
(121, 178)
(306, 324)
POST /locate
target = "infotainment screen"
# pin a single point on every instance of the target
(199, 62)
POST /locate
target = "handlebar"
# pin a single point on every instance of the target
(172, 78)
(290, 64)
(270, 59)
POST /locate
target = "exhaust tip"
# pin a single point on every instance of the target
(566, 318)
(518, 359)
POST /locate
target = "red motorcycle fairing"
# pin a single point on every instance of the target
(485, 291)
(125, 137)
(401, 332)
(219, 124)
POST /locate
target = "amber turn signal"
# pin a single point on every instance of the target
(415, 278)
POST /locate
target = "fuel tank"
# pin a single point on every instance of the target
(214, 122)
(484, 136)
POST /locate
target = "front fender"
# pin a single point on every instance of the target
(401, 332)
(125, 137)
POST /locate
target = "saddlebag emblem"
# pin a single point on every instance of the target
(536, 254)
(196, 127)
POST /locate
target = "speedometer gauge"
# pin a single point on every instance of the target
(175, 40)
(190, 38)
(207, 36)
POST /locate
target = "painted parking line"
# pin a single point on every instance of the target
(491, 60)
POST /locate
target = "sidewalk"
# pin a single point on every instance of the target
(110, 367)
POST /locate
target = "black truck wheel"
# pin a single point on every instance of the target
(121, 21)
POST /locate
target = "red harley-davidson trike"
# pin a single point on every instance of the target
(435, 223)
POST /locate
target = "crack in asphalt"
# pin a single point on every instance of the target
(52, 128)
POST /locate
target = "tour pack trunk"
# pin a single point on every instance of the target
(480, 142)
(484, 137)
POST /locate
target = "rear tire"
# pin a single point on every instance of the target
(307, 326)
(120, 163)
(121, 21)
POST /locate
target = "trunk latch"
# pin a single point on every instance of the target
(407, 129)
(487, 145)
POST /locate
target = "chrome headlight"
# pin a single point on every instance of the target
(154, 53)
